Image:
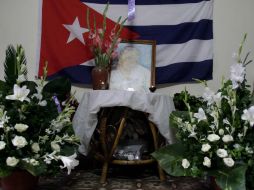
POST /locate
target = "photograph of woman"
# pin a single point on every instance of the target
(133, 70)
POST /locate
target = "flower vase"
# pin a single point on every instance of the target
(19, 180)
(100, 78)
(214, 185)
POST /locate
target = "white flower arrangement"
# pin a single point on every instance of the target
(215, 133)
(36, 132)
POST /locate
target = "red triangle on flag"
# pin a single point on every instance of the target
(64, 33)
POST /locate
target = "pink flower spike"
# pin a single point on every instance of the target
(91, 35)
(100, 31)
(113, 33)
(114, 55)
(107, 44)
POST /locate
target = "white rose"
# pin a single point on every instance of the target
(21, 127)
(55, 147)
(19, 141)
(12, 161)
(35, 147)
(34, 162)
(227, 138)
(2, 145)
(222, 153)
(213, 137)
(205, 147)
(207, 162)
(221, 132)
(228, 162)
(185, 163)
(249, 150)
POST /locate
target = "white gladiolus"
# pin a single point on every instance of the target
(208, 96)
(19, 141)
(248, 115)
(222, 153)
(229, 162)
(237, 146)
(35, 147)
(69, 162)
(213, 137)
(21, 78)
(12, 161)
(185, 163)
(237, 72)
(21, 127)
(200, 115)
(227, 138)
(207, 162)
(205, 147)
(43, 103)
(2, 145)
(19, 93)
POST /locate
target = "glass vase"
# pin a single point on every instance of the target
(100, 78)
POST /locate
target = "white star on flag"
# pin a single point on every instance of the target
(76, 31)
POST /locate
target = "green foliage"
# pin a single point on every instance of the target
(169, 157)
(13, 60)
(179, 99)
(60, 86)
(34, 133)
(215, 131)
(231, 178)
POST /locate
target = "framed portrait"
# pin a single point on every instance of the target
(134, 68)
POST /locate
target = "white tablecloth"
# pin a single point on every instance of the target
(159, 106)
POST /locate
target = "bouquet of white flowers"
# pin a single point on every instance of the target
(35, 128)
(217, 138)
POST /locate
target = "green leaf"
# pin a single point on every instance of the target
(11, 66)
(177, 114)
(2, 86)
(169, 158)
(231, 179)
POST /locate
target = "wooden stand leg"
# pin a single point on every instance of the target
(104, 172)
(155, 141)
(108, 155)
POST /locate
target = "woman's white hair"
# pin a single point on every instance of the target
(129, 54)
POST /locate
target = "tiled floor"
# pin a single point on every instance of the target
(89, 180)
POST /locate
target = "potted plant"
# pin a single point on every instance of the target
(216, 138)
(103, 48)
(36, 134)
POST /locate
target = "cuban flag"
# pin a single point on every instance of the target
(182, 29)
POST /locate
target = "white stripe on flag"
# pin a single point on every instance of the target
(178, 53)
(166, 14)
(185, 52)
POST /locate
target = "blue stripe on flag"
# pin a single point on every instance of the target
(143, 2)
(184, 72)
(175, 34)
(179, 72)
(77, 74)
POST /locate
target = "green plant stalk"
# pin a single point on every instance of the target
(104, 20)
(87, 18)
(241, 48)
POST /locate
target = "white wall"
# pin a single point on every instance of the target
(232, 18)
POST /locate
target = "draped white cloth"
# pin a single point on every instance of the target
(159, 107)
